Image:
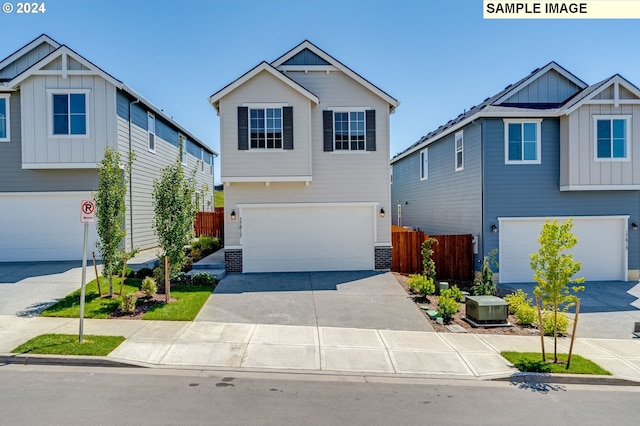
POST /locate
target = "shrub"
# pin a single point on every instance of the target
(547, 322)
(128, 303)
(453, 292)
(428, 265)
(526, 315)
(517, 300)
(203, 279)
(144, 273)
(149, 286)
(205, 245)
(447, 307)
(180, 278)
(421, 284)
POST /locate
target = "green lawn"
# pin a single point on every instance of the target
(532, 361)
(95, 306)
(189, 302)
(68, 344)
(218, 199)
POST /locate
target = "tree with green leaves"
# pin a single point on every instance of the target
(554, 269)
(428, 265)
(175, 210)
(110, 211)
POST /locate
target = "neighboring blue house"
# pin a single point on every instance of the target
(548, 146)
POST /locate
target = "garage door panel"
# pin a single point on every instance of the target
(307, 238)
(601, 247)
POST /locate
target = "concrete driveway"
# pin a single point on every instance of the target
(350, 299)
(27, 288)
(608, 309)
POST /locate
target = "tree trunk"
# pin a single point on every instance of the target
(110, 286)
(555, 334)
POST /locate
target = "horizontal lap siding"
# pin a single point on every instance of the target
(534, 190)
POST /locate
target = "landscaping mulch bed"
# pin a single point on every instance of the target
(144, 304)
(432, 303)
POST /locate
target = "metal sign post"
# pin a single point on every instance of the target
(87, 216)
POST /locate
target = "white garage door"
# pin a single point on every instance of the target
(43, 226)
(601, 247)
(307, 238)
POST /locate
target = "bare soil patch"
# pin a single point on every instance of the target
(432, 303)
(144, 304)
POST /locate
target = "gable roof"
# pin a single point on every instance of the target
(307, 48)
(592, 91)
(263, 66)
(494, 107)
(63, 51)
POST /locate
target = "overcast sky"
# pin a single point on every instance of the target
(437, 57)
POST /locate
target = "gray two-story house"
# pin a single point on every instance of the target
(58, 112)
(548, 146)
(304, 144)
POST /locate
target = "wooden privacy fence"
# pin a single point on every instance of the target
(210, 224)
(452, 254)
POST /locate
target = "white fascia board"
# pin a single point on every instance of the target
(561, 218)
(599, 187)
(294, 205)
(231, 179)
(538, 74)
(31, 166)
(487, 113)
(263, 66)
(616, 79)
(339, 66)
(25, 49)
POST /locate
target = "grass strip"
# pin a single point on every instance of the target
(190, 300)
(532, 362)
(68, 344)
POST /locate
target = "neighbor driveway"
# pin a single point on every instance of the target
(350, 299)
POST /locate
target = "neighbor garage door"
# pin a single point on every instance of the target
(307, 238)
(43, 226)
(601, 247)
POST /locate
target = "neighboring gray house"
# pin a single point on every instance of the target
(304, 146)
(549, 146)
(58, 112)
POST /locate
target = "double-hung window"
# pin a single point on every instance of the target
(612, 138)
(183, 149)
(349, 131)
(424, 164)
(4, 118)
(522, 141)
(265, 128)
(69, 113)
(151, 129)
(459, 150)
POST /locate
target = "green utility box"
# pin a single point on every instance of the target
(486, 309)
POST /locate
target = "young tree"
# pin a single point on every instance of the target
(175, 210)
(554, 269)
(428, 265)
(110, 212)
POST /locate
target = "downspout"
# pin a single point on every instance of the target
(130, 175)
(482, 167)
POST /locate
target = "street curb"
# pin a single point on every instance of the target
(64, 360)
(567, 379)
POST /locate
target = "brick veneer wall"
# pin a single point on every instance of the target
(233, 260)
(382, 257)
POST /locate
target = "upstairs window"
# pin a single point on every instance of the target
(459, 151)
(522, 141)
(424, 164)
(183, 149)
(151, 128)
(612, 140)
(349, 131)
(4, 118)
(69, 112)
(265, 128)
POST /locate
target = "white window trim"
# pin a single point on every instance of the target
(391, 174)
(459, 134)
(201, 159)
(265, 106)
(537, 122)
(154, 133)
(424, 174)
(183, 148)
(349, 110)
(50, 93)
(597, 159)
(7, 97)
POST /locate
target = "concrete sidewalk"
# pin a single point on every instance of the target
(269, 347)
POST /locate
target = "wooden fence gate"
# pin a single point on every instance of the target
(210, 224)
(452, 254)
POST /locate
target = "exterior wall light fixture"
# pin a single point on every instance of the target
(382, 213)
(494, 228)
(634, 226)
(233, 215)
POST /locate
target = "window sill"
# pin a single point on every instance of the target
(349, 152)
(265, 150)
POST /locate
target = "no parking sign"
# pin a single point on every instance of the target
(87, 211)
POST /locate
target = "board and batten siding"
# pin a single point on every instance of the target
(43, 150)
(264, 88)
(25, 61)
(448, 201)
(336, 177)
(578, 165)
(533, 190)
(13, 178)
(551, 87)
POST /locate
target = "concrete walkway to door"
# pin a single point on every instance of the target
(349, 299)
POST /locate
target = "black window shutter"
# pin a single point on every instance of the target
(287, 127)
(243, 128)
(371, 129)
(327, 126)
